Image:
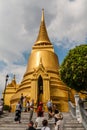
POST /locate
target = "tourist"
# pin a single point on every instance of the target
(21, 100)
(10, 108)
(24, 104)
(28, 106)
(55, 109)
(50, 114)
(45, 125)
(30, 126)
(58, 120)
(1, 106)
(18, 112)
(40, 108)
(52, 111)
(38, 121)
(31, 109)
(49, 107)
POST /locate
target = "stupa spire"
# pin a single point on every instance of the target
(42, 19)
(42, 36)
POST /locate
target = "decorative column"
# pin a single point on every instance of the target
(46, 89)
(34, 89)
(78, 113)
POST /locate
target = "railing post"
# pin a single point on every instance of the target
(78, 112)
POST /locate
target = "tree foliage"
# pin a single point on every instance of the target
(73, 69)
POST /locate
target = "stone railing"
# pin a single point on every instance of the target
(78, 111)
(72, 109)
(84, 116)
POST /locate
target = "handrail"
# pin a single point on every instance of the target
(82, 111)
(72, 109)
(84, 116)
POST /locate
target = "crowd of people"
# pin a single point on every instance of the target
(41, 122)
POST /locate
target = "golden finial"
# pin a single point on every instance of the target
(14, 77)
(42, 19)
(42, 36)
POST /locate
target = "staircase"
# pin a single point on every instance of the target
(7, 122)
(70, 123)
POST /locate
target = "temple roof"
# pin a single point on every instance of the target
(42, 36)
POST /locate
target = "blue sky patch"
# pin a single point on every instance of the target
(61, 52)
(2, 65)
(25, 59)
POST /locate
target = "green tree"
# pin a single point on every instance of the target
(73, 69)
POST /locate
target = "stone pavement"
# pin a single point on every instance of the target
(7, 122)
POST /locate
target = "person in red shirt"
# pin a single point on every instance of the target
(40, 108)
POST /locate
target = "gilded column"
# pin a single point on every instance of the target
(46, 88)
(34, 89)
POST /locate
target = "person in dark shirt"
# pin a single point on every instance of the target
(18, 112)
(55, 110)
(21, 99)
(30, 126)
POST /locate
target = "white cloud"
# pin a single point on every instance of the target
(19, 26)
(11, 69)
(70, 21)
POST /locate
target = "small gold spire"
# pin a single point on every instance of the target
(42, 36)
(14, 77)
(42, 19)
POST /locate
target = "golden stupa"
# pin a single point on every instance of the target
(41, 80)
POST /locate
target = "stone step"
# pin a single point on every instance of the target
(74, 129)
(7, 122)
(71, 123)
(73, 126)
(13, 128)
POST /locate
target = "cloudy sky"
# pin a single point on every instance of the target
(66, 22)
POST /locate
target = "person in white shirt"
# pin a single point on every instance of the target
(28, 106)
(31, 109)
(38, 121)
(58, 121)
